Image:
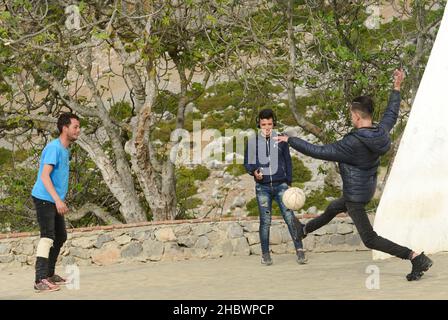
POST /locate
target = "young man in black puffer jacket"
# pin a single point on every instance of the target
(358, 156)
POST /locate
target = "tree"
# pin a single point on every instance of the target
(50, 62)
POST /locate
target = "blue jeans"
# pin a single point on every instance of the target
(265, 194)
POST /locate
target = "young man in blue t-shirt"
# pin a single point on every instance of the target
(48, 194)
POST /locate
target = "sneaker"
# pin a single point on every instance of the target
(55, 279)
(420, 264)
(301, 259)
(45, 286)
(299, 229)
(266, 259)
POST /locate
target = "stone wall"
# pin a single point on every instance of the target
(194, 239)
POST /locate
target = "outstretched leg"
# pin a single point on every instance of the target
(373, 241)
(335, 207)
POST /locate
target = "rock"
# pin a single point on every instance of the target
(191, 108)
(214, 164)
(253, 238)
(165, 234)
(167, 116)
(231, 157)
(309, 243)
(337, 239)
(131, 250)
(82, 262)
(202, 243)
(123, 239)
(235, 231)
(226, 248)
(227, 178)
(238, 202)
(255, 249)
(27, 249)
(83, 242)
(80, 253)
(332, 228)
(216, 194)
(6, 258)
(321, 231)
(312, 210)
(140, 235)
(21, 258)
(240, 247)
(102, 239)
(173, 252)
(153, 250)
(202, 229)
(251, 226)
(216, 236)
(182, 230)
(5, 248)
(353, 240)
(275, 236)
(344, 228)
(109, 254)
(187, 241)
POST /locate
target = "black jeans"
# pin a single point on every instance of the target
(52, 225)
(358, 214)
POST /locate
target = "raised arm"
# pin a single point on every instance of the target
(390, 116)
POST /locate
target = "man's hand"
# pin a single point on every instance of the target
(61, 207)
(398, 78)
(281, 138)
(258, 175)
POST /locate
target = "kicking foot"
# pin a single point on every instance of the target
(420, 264)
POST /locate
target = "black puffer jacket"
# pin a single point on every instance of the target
(357, 153)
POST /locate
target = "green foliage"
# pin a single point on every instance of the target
(252, 208)
(14, 207)
(372, 205)
(236, 169)
(186, 188)
(300, 173)
(120, 111)
(317, 198)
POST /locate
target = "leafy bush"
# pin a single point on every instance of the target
(317, 198)
(300, 173)
(236, 169)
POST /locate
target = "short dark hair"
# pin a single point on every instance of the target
(65, 119)
(266, 114)
(363, 105)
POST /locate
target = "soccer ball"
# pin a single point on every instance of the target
(294, 198)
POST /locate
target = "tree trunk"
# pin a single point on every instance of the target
(130, 206)
(300, 119)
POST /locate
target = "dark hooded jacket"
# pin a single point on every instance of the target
(271, 157)
(357, 153)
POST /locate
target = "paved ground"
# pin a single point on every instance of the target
(327, 276)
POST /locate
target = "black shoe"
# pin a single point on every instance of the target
(301, 259)
(299, 229)
(420, 264)
(266, 259)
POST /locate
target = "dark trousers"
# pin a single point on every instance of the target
(52, 225)
(358, 214)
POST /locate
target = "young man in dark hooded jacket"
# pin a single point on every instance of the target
(358, 156)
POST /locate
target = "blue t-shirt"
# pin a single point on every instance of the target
(58, 156)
